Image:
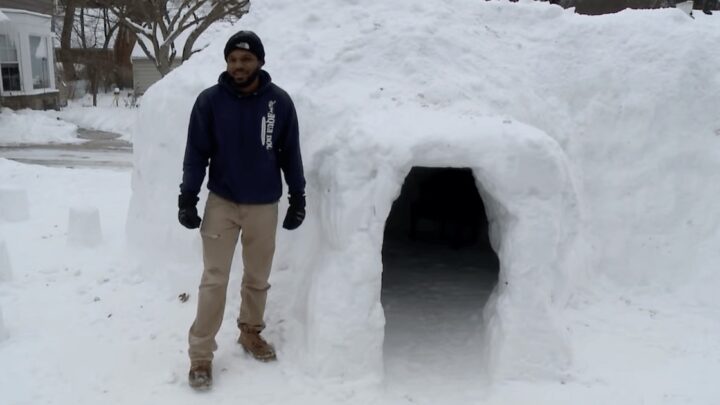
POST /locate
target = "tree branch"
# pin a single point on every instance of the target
(191, 12)
(147, 51)
(217, 13)
(179, 13)
(167, 20)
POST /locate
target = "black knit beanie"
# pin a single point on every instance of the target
(248, 41)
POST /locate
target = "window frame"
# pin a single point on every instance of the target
(45, 79)
(16, 63)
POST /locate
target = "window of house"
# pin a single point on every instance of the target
(39, 62)
(9, 65)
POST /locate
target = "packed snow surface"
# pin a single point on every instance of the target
(592, 149)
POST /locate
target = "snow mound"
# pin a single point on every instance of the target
(588, 138)
(30, 127)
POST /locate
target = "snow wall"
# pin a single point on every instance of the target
(592, 140)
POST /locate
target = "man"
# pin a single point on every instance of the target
(246, 127)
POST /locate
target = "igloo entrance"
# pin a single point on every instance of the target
(438, 272)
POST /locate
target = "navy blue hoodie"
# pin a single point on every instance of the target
(247, 139)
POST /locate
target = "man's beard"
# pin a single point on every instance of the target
(250, 79)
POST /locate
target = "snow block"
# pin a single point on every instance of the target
(5, 268)
(14, 204)
(686, 7)
(84, 227)
(3, 331)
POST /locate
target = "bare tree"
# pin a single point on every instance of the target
(69, 73)
(159, 23)
(95, 29)
(85, 42)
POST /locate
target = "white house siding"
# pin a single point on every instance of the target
(38, 6)
(30, 34)
(145, 74)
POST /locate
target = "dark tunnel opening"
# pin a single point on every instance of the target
(438, 272)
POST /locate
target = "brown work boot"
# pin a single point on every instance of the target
(200, 376)
(256, 346)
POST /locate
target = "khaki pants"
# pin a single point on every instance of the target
(222, 222)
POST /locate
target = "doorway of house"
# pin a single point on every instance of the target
(438, 272)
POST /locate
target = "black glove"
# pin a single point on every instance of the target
(295, 213)
(187, 214)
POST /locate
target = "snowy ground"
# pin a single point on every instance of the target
(88, 325)
(98, 148)
(68, 156)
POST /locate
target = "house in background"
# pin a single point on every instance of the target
(27, 66)
(144, 71)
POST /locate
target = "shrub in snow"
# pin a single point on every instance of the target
(5, 269)
(14, 204)
(84, 226)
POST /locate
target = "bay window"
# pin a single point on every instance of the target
(9, 64)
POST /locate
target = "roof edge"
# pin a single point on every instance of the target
(18, 11)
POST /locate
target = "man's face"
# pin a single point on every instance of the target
(242, 64)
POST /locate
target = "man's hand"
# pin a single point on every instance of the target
(187, 213)
(295, 213)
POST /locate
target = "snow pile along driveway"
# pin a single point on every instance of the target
(34, 127)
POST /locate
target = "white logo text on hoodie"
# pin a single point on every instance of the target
(267, 126)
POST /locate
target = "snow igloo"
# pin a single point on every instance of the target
(359, 147)
(528, 202)
(386, 91)
(336, 256)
